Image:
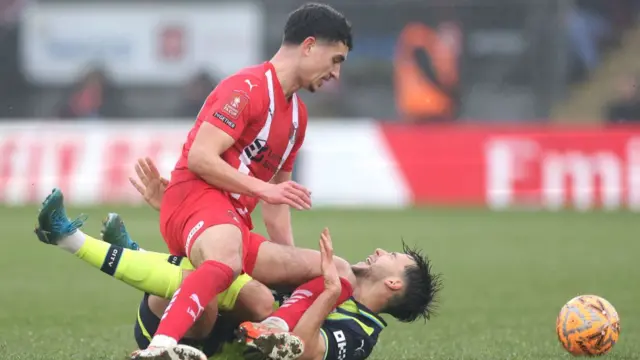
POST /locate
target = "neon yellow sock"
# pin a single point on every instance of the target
(181, 261)
(185, 264)
(226, 299)
(145, 271)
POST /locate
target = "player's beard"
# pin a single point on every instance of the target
(361, 273)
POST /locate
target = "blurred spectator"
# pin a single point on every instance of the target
(196, 91)
(92, 97)
(593, 27)
(426, 71)
(10, 12)
(626, 107)
(588, 26)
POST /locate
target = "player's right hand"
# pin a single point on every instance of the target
(287, 193)
(329, 270)
(153, 185)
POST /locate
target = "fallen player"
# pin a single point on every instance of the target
(352, 329)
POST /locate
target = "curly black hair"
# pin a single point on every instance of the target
(420, 295)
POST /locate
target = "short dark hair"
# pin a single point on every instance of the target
(422, 286)
(320, 21)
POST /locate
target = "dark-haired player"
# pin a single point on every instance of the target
(241, 150)
(402, 285)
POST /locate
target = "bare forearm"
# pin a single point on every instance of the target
(277, 220)
(220, 174)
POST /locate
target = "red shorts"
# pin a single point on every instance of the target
(190, 207)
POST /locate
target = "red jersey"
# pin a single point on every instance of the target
(267, 128)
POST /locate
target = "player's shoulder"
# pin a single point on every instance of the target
(248, 82)
(249, 77)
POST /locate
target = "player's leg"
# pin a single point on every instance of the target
(198, 225)
(200, 329)
(203, 251)
(295, 267)
(247, 299)
(138, 269)
(273, 264)
(216, 255)
(280, 265)
(54, 227)
(115, 232)
(151, 309)
(207, 336)
(248, 304)
(152, 273)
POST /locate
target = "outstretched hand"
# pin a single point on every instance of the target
(329, 270)
(153, 185)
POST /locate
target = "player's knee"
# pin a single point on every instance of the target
(200, 329)
(263, 303)
(204, 325)
(255, 302)
(221, 243)
(157, 305)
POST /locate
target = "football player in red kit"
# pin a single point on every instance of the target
(240, 150)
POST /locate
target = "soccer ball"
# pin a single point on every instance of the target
(588, 325)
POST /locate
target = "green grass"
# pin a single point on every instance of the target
(506, 277)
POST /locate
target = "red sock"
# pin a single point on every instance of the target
(196, 291)
(304, 296)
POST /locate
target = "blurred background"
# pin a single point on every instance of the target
(450, 117)
(485, 60)
(484, 102)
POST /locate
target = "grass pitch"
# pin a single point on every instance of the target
(506, 277)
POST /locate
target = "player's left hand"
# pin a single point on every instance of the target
(153, 185)
(329, 270)
(286, 193)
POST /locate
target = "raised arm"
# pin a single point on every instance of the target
(309, 326)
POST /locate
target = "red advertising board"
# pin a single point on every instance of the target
(501, 167)
(377, 164)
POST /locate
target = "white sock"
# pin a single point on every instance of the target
(276, 322)
(73, 242)
(163, 341)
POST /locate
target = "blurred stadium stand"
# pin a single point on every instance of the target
(515, 60)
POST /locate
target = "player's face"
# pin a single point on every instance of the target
(321, 62)
(384, 266)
